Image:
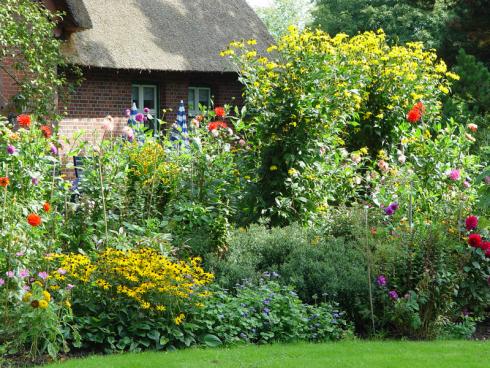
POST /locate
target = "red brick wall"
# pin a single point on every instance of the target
(8, 87)
(108, 92)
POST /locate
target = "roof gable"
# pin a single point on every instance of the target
(173, 35)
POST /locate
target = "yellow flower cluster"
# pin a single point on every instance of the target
(152, 280)
(352, 73)
(149, 164)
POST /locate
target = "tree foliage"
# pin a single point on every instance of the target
(447, 25)
(285, 13)
(30, 55)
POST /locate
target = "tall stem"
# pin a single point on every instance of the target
(368, 252)
(7, 238)
(102, 193)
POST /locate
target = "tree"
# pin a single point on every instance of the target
(285, 13)
(402, 20)
(30, 55)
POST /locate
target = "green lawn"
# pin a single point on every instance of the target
(355, 354)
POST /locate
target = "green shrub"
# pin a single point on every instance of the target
(267, 312)
(317, 266)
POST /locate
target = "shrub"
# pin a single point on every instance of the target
(122, 298)
(317, 266)
(315, 96)
(268, 312)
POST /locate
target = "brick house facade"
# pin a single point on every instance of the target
(167, 48)
(108, 92)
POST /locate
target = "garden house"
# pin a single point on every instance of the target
(150, 52)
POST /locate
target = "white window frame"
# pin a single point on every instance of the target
(141, 88)
(196, 90)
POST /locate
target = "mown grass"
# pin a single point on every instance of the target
(355, 354)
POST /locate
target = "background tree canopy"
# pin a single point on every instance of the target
(447, 25)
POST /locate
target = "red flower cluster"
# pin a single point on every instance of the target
(217, 124)
(416, 113)
(34, 220)
(46, 130)
(46, 207)
(220, 112)
(24, 120)
(471, 223)
(4, 181)
(475, 240)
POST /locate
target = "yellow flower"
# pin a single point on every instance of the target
(43, 304)
(179, 319)
(46, 296)
(453, 76)
(161, 308)
(252, 42)
(292, 172)
(273, 168)
(27, 297)
(67, 304)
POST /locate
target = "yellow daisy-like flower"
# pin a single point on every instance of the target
(27, 297)
(273, 168)
(43, 304)
(46, 296)
(179, 319)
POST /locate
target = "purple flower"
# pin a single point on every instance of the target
(389, 211)
(69, 286)
(381, 280)
(11, 149)
(140, 117)
(466, 184)
(44, 275)
(128, 113)
(34, 180)
(53, 149)
(393, 295)
(10, 274)
(394, 206)
(266, 311)
(19, 254)
(61, 271)
(487, 180)
(24, 273)
(26, 288)
(146, 110)
(454, 174)
(267, 301)
(2, 282)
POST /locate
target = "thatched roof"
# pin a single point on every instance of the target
(79, 14)
(170, 35)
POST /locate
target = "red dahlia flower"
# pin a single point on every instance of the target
(485, 246)
(24, 120)
(34, 220)
(46, 131)
(416, 113)
(471, 222)
(475, 240)
(220, 112)
(46, 207)
(217, 124)
(4, 181)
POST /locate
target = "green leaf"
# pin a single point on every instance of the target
(212, 340)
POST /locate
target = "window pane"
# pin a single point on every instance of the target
(135, 96)
(192, 99)
(204, 97)
(149, 98)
